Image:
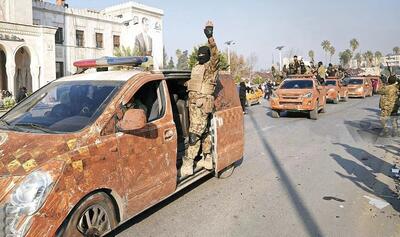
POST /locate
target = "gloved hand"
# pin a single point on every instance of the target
(193, 138)
(209, 29)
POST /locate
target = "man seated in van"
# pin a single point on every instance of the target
(201, 87)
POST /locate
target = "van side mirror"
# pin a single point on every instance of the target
(133, 119)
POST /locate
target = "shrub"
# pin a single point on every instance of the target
(8, 102)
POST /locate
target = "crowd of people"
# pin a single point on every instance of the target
(299, 67)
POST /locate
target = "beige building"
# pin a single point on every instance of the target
(27, 51)
(40, 40)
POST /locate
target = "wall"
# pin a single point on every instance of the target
(38, 41)
(104, 22)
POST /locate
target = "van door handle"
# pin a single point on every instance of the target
(169, 135)
(114, 149)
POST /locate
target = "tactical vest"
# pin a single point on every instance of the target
(197, 82)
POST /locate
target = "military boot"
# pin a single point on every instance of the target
(395, 125)
(187, 168)
(206, 163)
(385, 131)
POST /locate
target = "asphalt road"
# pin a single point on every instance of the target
(300, 177)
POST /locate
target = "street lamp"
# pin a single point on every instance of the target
(229, 43)
(280, 56)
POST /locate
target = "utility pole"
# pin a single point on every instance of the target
(280, 56)
(229, 43)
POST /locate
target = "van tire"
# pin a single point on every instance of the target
(275, 114)
(97, 200)
(314, 114)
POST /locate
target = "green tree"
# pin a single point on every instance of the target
(223, 59)
(165, 58)
(258, 80)
(354, 45)
(171, 64)
(326, 45)
(396, 50)
(311, 54)
(369, 58)
(378, 57)
(123, 51)
(332, 52)
(358, 58)
(345, 57)
(183, 60)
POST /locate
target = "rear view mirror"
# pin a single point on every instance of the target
(133, 119)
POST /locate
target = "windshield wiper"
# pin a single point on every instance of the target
(35, 126)
(7, 125)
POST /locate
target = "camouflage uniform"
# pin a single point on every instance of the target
(387, 104)
(201, 89)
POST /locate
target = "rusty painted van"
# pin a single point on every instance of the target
(87, 152)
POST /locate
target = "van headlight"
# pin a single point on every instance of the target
(30, 194)
(25, 201)
(308, 95)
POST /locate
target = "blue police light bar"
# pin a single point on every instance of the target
(112, 61)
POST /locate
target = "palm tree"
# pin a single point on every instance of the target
(396, 50)
(332, 51)
(326, 45)
(354, 45)
(369, 58)
(358, 58)
(378, 57)
(311, 55)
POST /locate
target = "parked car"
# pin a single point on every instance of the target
(335, 90)
(302, 94)
(254, 96)
(86, 152)
(359, 86)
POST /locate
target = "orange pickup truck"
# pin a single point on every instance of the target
(87, 152)
(359, 86)
(335, 90)
(299, 94)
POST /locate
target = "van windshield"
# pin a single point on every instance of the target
(330, 83)
(62, 106)
(355, 81)
(297, 84)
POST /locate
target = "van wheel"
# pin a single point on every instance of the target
(275, 114)
(314, 113)
(94, 217)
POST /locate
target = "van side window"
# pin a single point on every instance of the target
(151, 98)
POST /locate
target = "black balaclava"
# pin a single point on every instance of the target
(204, 55)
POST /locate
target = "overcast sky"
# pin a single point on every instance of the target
(258, 26)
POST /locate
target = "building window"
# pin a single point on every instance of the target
(99, 40)
(59, 69)
(79, 38)
(36, 21)
(59, 36)
(116, 41)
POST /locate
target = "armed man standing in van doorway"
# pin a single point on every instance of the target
(201, 87)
